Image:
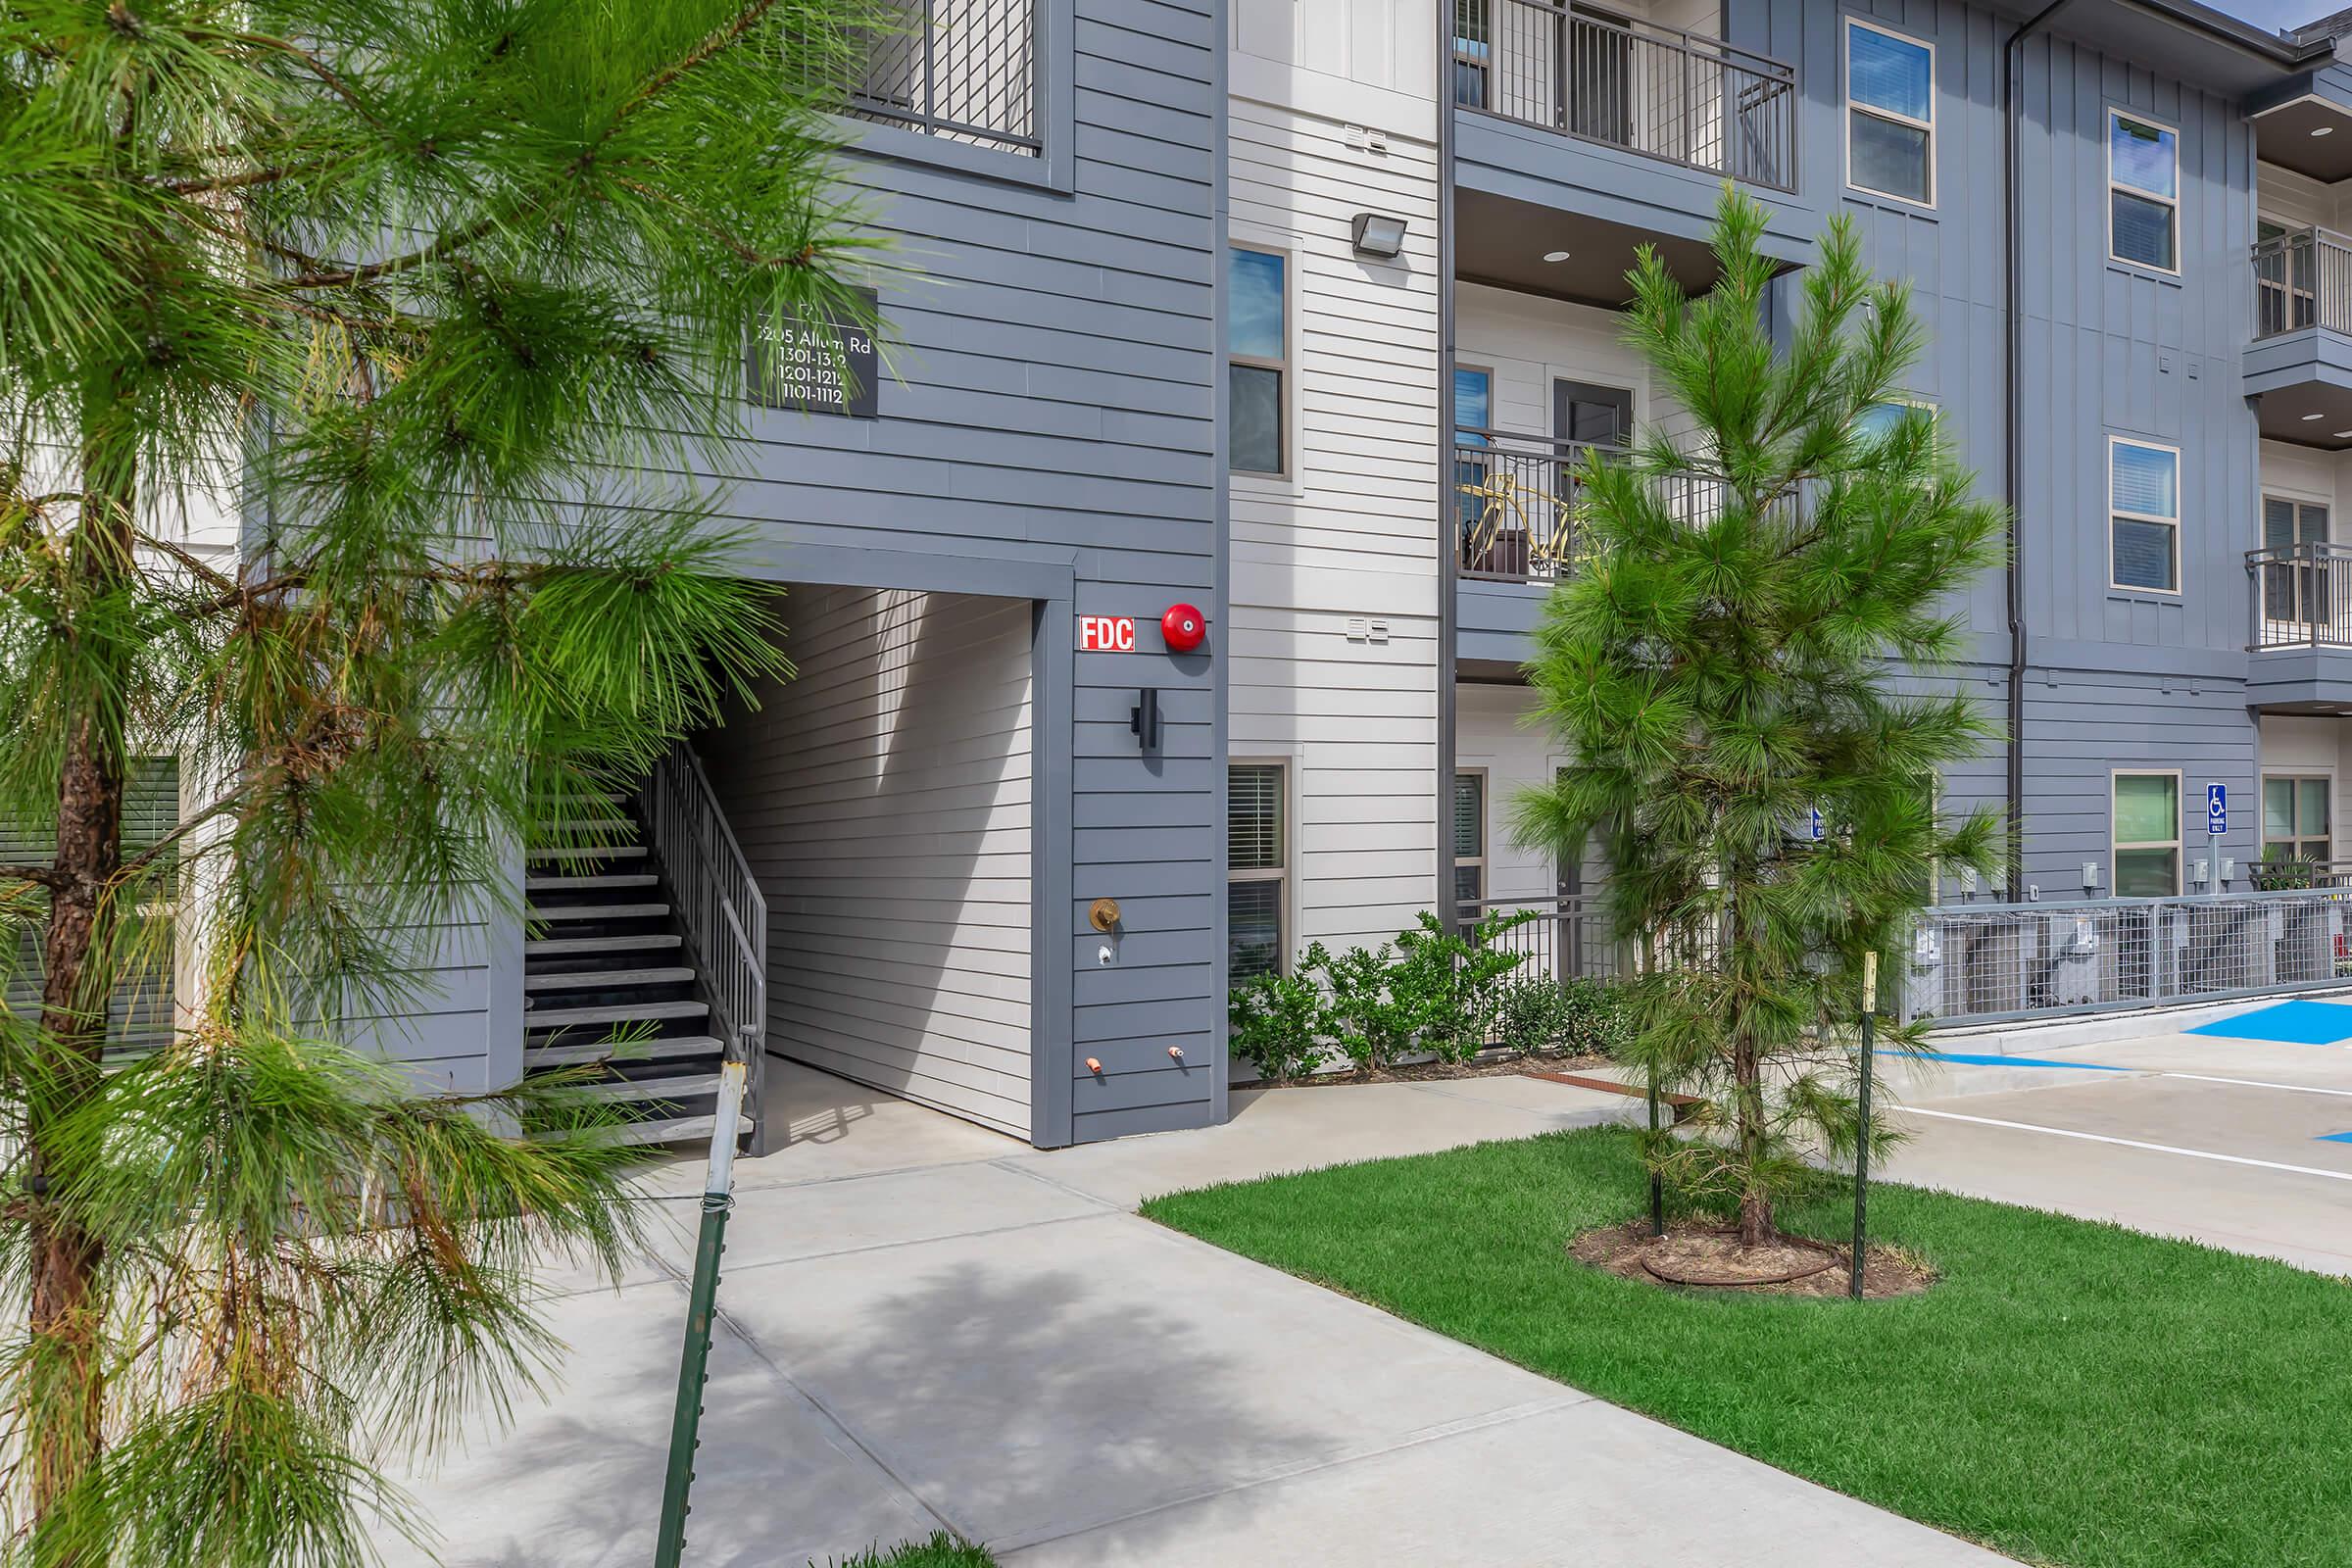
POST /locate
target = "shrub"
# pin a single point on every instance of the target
(1452, 985)
(1278, 1025)
(1533, 1019)
(1368, 1021)
(1595, 1019)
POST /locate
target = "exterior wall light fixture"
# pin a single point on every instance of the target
(1376, 234)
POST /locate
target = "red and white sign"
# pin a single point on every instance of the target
(1107, 634)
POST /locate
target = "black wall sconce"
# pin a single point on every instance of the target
(1144, 720)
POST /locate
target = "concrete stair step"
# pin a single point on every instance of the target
(539, 1018)
(619, 852)
(601, 911)
(598, 979)
(680, 1086)
(589, 884)
(563, 947)
(661, 1049)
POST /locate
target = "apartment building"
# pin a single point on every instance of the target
(1164, 611)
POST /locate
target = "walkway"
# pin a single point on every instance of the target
(929, 1325)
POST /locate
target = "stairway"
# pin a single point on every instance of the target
(608, 978)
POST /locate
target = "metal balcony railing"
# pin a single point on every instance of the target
(1660, 91)
(1516, 500)
(2302, 278)
(2302, 597)
(962, 70)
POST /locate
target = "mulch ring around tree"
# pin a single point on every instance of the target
(1700, 1257)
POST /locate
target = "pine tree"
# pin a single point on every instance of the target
(1760, 604)
(437, 299)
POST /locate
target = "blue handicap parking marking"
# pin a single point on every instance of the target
(2336, 1138)
(2294, 1023)
(1973, 1059)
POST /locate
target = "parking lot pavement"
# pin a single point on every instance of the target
(2223, 1141)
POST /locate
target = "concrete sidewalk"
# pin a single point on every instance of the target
(928, 1325)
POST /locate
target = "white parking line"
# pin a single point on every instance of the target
(2130, 1143)
(2256, 1082)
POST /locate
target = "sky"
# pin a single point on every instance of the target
(2277, 16)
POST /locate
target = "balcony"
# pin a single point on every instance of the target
(1677, 96)
(2300, 361)
(1628, 125)
(2302, 632)
(1516, 525)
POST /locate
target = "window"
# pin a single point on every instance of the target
(2143, 192)
(1473, 416)
(1876, 422)
(2294, 592)
(2147, 835)
(1469, 842)
(1256, 846)
(2144, 501)
(1889, 114)
(1257, 355)
(2295, 821)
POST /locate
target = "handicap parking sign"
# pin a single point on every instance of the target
(2217, 808)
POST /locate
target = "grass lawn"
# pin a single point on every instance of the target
(942, 1551)
(2070, 1392)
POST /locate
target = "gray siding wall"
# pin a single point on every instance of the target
(2117, 678)
(1056, 408)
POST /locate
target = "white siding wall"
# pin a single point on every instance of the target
(883, 800)
(2307, 473)
(1530, 342)
(1333, 641)
(2293, 743)
(1490, 734)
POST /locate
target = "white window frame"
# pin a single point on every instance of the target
(2298, 775)
(2179, 489)
(2113, 185)
(2177, 844)
(1284, 776)
(1286, 405)
(1854, 106)
(1483, 859)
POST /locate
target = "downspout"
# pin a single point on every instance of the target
(2013, 464)
(1447, 540)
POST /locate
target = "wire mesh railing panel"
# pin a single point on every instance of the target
(1985, 962)
(960, 70)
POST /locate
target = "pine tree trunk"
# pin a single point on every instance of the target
(1756, 1227)
(67, 1304)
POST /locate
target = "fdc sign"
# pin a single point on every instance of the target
(1107, 634)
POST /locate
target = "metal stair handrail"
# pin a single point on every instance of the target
(721, 913)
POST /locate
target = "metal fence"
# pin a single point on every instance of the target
(1979, 962)
(2302, 596)
(1516, 498)
(1661, 91)
(962, 70)
(2302, 278)
(1568, 938)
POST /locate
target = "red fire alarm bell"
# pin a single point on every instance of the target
(1183, 627)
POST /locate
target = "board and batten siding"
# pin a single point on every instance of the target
(883, 800)
(1046, 435)
(1334, 646)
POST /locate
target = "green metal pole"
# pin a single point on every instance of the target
(1870, 1008)
(1657, 1182)
(702, 1304)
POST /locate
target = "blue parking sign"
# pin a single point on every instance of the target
(2217, 808)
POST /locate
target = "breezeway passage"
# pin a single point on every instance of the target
(2229, 1139)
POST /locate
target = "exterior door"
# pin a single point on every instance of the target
(2296, 594)
(1602, 415)
(1596, 71)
